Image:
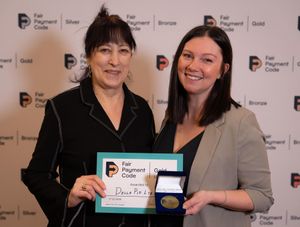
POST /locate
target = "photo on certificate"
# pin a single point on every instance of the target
(130, 180)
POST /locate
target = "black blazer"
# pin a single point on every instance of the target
(74, 129)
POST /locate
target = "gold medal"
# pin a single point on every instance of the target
(169, 202)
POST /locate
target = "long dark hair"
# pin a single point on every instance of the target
(104, 29)
(219, 99)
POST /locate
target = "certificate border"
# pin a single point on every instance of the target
(127, 155)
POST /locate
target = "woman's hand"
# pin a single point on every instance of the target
(85, 188)
(198, 200)
(237, 200)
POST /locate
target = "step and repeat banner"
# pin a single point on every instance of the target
(41, 49)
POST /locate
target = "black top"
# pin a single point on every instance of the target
(74, 129)
(163, 144)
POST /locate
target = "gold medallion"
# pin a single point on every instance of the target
(169, 202)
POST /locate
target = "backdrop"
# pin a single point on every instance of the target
(41, 48)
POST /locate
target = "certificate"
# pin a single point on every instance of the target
(130, 180)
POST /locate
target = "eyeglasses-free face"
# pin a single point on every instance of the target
(110, 65)
(200, 65)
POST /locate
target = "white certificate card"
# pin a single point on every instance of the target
(130, 180)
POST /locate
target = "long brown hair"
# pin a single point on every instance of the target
(219, 99)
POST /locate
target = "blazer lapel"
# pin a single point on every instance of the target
(204, 155)
(129, 111)
(97, 112)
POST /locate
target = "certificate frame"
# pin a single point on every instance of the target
(169, 161)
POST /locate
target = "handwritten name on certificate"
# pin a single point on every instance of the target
(130, 180)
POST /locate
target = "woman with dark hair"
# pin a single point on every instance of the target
(101, 114)
(225, 158)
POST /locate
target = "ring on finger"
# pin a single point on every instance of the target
(83, 187)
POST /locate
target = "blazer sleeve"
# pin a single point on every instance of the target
(253, 167)
(40, 175)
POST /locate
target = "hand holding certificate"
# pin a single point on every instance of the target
(130, 180)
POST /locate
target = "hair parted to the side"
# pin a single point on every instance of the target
(106, 28)
(219, 99)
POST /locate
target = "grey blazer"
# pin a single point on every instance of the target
(231, 155)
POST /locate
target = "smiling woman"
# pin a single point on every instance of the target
(101, 114)
(199, 66)
(225, 157)
(110, 66)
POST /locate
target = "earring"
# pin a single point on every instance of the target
(129, 76)
(89, 71)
